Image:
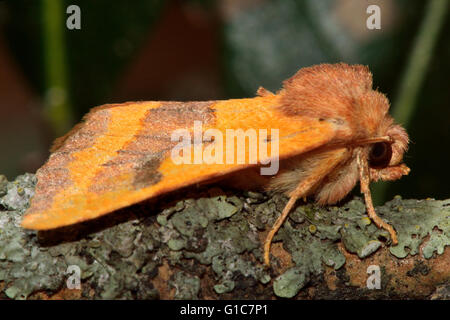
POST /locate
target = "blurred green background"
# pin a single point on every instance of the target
(198, 50)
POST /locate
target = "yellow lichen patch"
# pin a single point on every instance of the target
(312, 228)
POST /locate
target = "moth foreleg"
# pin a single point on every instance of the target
(364, 177)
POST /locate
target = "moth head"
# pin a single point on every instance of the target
(390, 152)
(384, 156)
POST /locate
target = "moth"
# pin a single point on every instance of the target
(333, 130)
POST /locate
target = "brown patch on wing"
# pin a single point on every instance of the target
(54, 175)
(81, 129)
(143, 154)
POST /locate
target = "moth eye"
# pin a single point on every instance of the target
(380, 155)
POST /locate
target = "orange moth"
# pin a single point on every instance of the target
(327, 127)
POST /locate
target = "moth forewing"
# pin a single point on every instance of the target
(121, 153)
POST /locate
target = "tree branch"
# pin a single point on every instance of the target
(207, 244)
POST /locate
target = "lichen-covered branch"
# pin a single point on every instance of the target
(208, 244)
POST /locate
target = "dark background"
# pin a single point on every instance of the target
(198, 50)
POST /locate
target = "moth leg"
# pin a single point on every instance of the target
(364, 176)
(263, 92)
(276, 227)
(389, 173)
(321, 169)
(298, 192)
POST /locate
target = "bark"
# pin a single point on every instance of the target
(207, 244)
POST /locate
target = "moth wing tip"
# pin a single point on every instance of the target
(37, 221)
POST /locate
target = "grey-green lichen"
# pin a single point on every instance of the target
(187, 286)
(214, 235)
(416, 219)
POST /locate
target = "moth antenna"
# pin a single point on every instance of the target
(364, 177)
